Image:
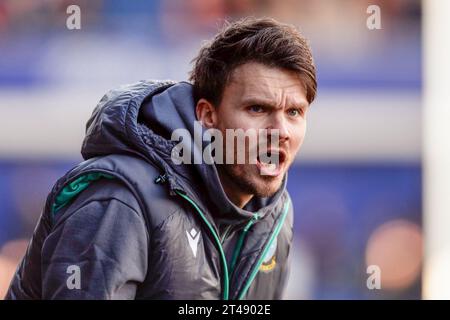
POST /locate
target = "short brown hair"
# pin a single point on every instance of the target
(262, 40)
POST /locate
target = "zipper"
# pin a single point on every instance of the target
(226, 280)
(255, 270)
(238, 247)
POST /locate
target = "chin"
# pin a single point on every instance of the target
(262, 186)
(267, 187)
(249, 181)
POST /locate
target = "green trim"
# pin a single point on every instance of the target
(72, 189)
(266, 249)
(226, 281)
(238, 247)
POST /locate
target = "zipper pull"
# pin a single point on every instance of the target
(251, 222)
(161, 178)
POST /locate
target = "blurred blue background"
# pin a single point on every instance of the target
(356, 185)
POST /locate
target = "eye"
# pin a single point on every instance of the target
(256, 108)
(294, 112)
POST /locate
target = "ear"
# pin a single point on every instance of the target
(206, 113)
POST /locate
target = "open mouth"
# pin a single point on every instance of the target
(270, 163)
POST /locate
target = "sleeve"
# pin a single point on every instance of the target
(98, 251)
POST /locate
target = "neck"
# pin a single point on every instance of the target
(233, 192)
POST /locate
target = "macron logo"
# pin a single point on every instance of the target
(193, 237)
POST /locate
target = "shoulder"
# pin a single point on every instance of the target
(103, 196)
(110, 189)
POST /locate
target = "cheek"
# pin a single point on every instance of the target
(227, 120)
(239, 122)
(237, 119)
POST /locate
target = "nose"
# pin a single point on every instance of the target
(279, 123)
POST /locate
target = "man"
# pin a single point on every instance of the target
(130, 222)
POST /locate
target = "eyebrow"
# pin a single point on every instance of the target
(269, 104)
(259, 102)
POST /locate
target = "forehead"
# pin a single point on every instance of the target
(257, 81)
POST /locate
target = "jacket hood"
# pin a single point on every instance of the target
(139, 119)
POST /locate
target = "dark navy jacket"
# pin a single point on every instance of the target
(128, 223)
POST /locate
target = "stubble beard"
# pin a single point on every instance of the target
(244, 178)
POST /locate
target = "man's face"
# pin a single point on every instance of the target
(262, 97)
